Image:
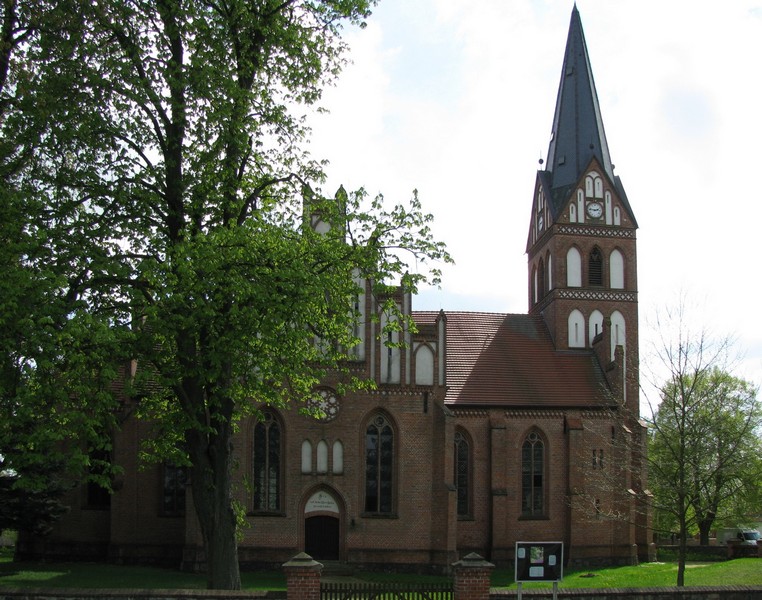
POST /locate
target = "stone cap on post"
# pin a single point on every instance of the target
(303, 561)
(473, 561)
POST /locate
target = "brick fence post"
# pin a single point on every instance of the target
(472, 578)
(302, 578)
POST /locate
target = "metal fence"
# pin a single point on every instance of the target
(386, 591)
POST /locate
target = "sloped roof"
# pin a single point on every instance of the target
(577, 134)
(497, 359)
(578, 137)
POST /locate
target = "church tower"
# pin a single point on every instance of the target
(581, 244)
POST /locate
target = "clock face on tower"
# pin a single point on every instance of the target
(595, 210)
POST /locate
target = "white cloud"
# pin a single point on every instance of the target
(456, 98)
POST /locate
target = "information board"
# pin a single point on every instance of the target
(539, 561)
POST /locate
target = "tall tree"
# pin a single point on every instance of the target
(711, 421)
(171, 202)
(704, 431)
(39, 324)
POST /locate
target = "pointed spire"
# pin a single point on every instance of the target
(577, 133)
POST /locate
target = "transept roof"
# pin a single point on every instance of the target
(497, 359)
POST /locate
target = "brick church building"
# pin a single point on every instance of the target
(484, 429)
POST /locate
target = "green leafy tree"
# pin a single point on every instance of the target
(704, 436)
(39, 323)
(170, 200)
(28, 508)
(711, 421)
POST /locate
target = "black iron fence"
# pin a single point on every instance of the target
(386, 591)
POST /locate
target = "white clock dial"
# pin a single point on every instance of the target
(595, 210)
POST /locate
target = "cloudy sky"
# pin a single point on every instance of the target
(455, 98)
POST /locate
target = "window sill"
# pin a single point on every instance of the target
(370, 515)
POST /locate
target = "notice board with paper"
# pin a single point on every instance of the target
(539, 561)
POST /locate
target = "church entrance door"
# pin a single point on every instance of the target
(321, 537)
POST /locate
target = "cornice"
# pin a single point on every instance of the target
(534, 414)
(597, 295)
(580, 229)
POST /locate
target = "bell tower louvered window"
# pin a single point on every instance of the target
(595, 268)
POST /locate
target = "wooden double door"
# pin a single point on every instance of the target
(321, 537)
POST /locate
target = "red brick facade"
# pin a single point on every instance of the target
(483, 430)
(420, 528)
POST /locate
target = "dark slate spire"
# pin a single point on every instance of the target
(577, 133)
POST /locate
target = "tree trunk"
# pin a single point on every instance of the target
(705, 526)
(704, 529)
(681, 552)
(211, 484)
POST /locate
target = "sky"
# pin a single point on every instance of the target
(455, 98)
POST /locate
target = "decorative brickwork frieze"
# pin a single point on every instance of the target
(470, 412)
(598, 295)
(599, 232)
(534, 414)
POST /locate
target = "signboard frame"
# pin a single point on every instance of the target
(539, 561)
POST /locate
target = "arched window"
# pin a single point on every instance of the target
(173, 493)
(608, 208)
(533, 476)
(549, 271)
(598, 187)
(595, 268)
(266, 463)
(595, 325)
(573, 268)
(462, 476)
(541, 279)
(535, 294)
(306, 457)
(379, 465)
(616, 270)
(576, 329)
(390, 361)
(593, 185)
(338, 458)
(322, 457)
(618, 332)
(424, 365)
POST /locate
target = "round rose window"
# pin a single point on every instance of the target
(324, 406)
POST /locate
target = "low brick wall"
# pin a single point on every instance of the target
(686, 593)
(130, 594)
(471, 582)
(690, 593)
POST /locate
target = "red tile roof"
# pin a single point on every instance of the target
(496, 359)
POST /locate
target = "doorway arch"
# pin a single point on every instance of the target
(323, 524)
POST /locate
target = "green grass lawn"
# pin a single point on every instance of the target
(742, 571)
(100, 575)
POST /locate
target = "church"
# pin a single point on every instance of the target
(483, 429)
